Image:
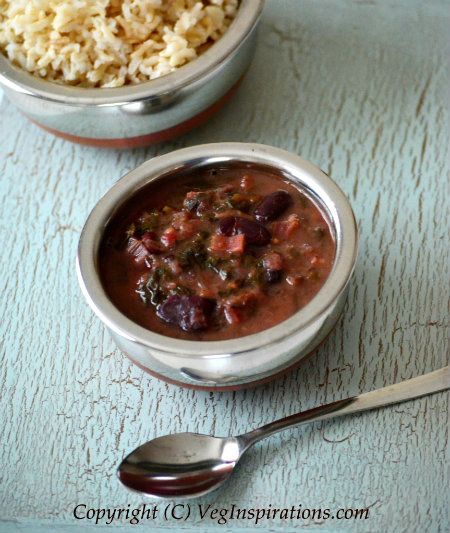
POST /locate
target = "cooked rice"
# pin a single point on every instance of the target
(109, 43)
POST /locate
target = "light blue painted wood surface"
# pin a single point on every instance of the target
(358, 87)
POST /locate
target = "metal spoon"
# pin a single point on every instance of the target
(187, 465)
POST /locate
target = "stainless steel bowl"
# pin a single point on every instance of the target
(245, 360)
(141, 114)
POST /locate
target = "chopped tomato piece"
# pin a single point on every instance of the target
(230, 245)
(284, 229)
(169, 237)
(233, 316)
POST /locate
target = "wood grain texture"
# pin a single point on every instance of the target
(358, 87)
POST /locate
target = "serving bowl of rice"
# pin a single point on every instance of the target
(124, 73)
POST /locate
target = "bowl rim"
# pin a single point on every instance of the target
(17, 79)
(302, 172)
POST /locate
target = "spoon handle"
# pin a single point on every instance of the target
(406, 390)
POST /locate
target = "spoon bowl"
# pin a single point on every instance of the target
(181, 465)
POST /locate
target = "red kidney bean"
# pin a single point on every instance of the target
(273, 265)
(272, 206)
(255, 233)
(190, 313)
(149, 241)
(272, 276)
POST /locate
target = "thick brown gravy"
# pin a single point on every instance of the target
(214, 255)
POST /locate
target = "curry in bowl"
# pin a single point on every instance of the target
(216, 253)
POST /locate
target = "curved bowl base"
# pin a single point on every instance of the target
(152, 138)
(230, 388)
